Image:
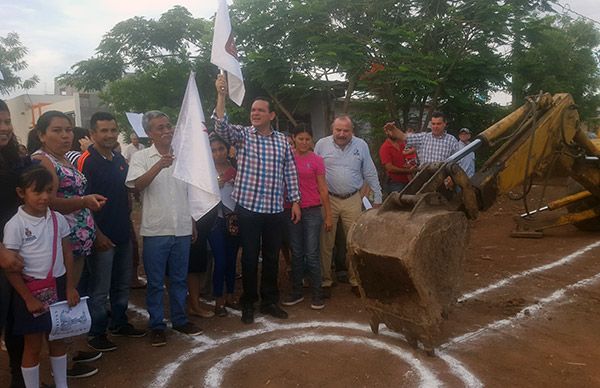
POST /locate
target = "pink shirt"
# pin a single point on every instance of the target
(309, 166)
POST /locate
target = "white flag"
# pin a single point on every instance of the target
(193, 158)
(135, 120)
(224, 54)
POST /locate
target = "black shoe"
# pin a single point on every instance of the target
(235, 305)
(317, 303)
(274, 311)
(189, 329)
(79, 371)
(128, 331)
(17, 381)
(101, 344)
(326, 292)
(355, 291)
(158, 337)
(248, 315)
(220, 310)
(82, 356)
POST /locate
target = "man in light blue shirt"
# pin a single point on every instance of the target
(468, 162)
(348, 166)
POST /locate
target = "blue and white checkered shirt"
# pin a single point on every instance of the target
(265, 168)
(432, 148)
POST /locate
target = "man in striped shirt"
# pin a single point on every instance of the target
(266, 170)
(434, 146)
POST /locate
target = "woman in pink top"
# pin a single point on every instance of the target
(316, 210)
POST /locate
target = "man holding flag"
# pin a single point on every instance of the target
(266, 169)
(167, 227)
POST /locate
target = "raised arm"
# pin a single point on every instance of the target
(392, 126)
(230, 133)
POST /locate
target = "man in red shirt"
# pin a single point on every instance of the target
(393, 158)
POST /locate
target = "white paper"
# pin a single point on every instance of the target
(135, 119)
(69, 321)
(194, 164)
(366, 203)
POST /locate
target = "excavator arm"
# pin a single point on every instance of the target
(409, 253)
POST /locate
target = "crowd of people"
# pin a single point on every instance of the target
(66, 229)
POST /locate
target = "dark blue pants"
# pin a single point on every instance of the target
(224, 248)
(260, 232)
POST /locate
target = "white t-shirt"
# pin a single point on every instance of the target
(130, 150)
(165, 206)
(33, 237)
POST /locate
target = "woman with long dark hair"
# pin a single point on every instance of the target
(55, 132)
(11, 165)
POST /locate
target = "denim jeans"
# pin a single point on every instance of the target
(162, 253)
(395, 186)
(224, 248)
(199, 258)
(109, 274)
(260, 232)
(306, 259)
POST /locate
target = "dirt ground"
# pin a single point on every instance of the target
(539, 327)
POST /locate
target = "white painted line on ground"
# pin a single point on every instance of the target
(164, 376)
(214, 376)
(460, 371)
(510, 279)
(526, 312)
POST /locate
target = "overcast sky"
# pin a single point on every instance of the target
(60, 33)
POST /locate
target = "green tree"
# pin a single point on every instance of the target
(561, 55)
(12, 54)
(143, 64)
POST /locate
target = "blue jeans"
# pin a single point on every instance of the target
(306, 259)
(162, 253)
(396, 186)
(224, 248)
(109, 274)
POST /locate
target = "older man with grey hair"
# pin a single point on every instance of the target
(132, 147)
(166, 228)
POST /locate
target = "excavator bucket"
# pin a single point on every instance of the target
(409, 264)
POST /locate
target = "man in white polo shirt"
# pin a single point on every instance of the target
(166, 227)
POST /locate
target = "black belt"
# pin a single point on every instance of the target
(343, 196)
(311, 207)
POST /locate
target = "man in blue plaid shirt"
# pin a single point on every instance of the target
(266, 170)
(434, 146)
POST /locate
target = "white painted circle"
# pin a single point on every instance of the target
(214, 376)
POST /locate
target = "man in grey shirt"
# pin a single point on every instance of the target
(348, 165)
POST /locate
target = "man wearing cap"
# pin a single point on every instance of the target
(467, 163)
(348, 166)
(394, 160)
(434, 146)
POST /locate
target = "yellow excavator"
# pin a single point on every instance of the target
(409, 253)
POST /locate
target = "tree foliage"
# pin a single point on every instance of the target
(561, 55)
(143, 64)
(383, 59)
(12, 54)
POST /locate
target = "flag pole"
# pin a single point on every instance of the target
(222, 72)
